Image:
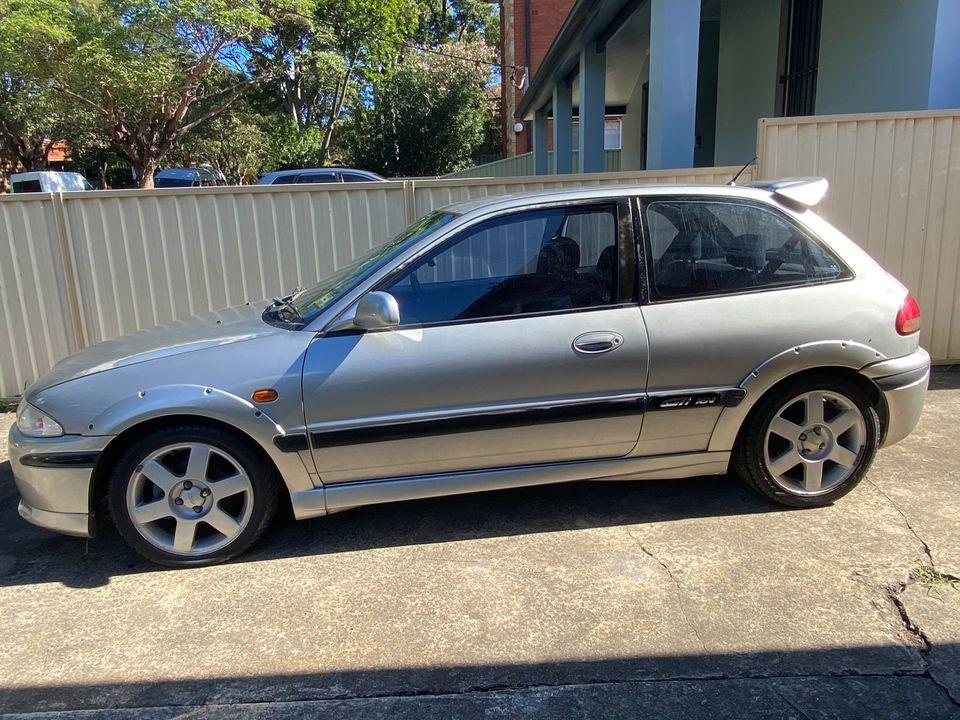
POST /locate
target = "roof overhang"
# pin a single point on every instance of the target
(589, 21)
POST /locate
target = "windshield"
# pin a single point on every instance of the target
(310, 302)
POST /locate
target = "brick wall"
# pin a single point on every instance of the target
(546, 17)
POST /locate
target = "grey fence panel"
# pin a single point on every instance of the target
(147, 258)
(80, 268)
(895, 190)
(36, 329)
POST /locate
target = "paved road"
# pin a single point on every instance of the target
(660, 599)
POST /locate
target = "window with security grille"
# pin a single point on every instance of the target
(799, 57)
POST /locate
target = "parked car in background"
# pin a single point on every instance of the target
(318, 175)
(188, 177)
(597, 333)
(48, 181)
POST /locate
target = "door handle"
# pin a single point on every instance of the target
(595, 343)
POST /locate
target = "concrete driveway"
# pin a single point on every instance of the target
(680, 599)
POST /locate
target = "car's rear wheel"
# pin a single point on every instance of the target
(191, 495)
(809, 442)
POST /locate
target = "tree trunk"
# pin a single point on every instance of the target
(145, 171)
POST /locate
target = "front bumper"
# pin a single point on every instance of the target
(54, 477)
(903, 382)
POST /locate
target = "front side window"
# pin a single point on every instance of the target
(549, 260)
(704, 247)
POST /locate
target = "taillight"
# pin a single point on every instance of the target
(908, 318)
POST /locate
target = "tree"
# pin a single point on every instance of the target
(430, 113)
(319, 52)
(235, 142)
(446, 21)
(149, 71)
(28, 115)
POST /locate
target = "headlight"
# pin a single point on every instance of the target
(34, 423)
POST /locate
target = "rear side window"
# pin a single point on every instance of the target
(284, 180)
(354, 177)
(317, 178)
(27, 186)
(705, 247)
(551, 260)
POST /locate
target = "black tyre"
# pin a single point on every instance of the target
(809, 442)
(191, 495)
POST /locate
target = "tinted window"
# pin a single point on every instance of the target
(171, 182)
(541, 261)
(354, 177)
(27, 186)
(312, 301)
(317, 178)
(706, 247)
(284, 180)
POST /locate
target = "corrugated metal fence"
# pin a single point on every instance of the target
(521, 165)
(895, 189)
(79, 268)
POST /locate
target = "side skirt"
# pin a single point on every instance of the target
(342, 496)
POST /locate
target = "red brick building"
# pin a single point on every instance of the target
(527, 30)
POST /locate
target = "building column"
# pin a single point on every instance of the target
(945, 64)
(563, 127)
(540, 157)
(593, 71)
(672, 116)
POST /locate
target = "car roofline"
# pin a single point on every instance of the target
(601, 192)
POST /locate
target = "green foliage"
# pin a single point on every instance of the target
(149, 70)
(430, 113)
(445, 21)
(248, 86)
(934, 580)
(236, 142)
(319, 54)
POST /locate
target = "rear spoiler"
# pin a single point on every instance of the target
(799, 193)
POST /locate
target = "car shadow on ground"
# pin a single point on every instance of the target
(32, 555)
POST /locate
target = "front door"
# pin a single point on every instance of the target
(520, 342)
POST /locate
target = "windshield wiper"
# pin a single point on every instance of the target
(286, 302)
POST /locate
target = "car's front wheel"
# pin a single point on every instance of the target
(191, 495)
(809, 442)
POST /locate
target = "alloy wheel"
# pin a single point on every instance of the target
(189, 498)
(814, 442)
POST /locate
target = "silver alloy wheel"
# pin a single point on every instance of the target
(814, 442)
(189, 498)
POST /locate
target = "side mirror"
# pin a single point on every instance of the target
(377, 310)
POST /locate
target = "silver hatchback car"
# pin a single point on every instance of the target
(603, 333)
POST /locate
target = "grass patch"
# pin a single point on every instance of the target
(935, 580)
(7, 406)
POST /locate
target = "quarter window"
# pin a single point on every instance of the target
(541, 261)
(707, 247)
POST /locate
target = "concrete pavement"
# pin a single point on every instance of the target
(692, 598)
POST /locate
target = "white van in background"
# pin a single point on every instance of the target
(48, 181)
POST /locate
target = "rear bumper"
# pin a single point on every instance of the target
(54, 476)
(903, 382)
